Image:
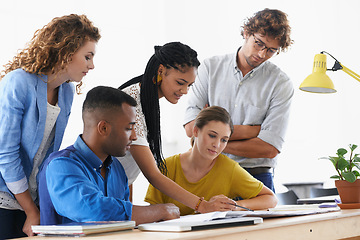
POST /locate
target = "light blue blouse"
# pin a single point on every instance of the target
(23, 102)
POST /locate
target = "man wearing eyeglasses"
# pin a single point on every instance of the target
(253, 90)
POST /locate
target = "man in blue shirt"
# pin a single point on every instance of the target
(85, 182)
(255, 92)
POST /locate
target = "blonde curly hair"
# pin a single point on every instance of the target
(51, 48)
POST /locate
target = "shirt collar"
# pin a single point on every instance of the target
(237, 70)
(107, 163)
(235, 67)
(90, 156)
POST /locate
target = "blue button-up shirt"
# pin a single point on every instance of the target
(71, 188)
(261, 97)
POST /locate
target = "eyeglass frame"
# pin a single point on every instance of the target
(260, 46)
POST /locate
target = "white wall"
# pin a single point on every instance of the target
(319, 124)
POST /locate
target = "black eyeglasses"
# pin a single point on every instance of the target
(260, 45)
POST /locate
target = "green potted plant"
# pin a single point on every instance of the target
(347, 178)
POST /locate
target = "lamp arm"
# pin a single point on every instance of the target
(350, 72)
(339, 66)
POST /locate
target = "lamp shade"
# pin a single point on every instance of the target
(318, 81)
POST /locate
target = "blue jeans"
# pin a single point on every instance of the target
(267, 179)
(11, 223)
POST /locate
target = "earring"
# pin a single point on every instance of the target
(158, 80)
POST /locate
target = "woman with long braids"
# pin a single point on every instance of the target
(169, 73)
(35, 103)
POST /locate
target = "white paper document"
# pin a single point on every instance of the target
(232, 218)
(202, 221)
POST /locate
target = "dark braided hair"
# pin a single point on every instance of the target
(172, 55)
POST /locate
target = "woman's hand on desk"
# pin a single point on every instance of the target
(217, 203)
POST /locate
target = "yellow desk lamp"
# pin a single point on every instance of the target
(318, 81)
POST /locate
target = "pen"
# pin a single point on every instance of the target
(242, 207)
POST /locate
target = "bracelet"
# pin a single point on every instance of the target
(198, 204)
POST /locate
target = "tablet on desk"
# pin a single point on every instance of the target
(318, 200)
(200, 222)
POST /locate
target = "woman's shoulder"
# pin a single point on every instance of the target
(18, 83)
(226, 159)
(173, 159)
(18, 72)
(133, 90)
(227, 164)
(173, 165)
(20, 76)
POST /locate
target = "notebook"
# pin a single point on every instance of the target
(81, 229)
(201, 221)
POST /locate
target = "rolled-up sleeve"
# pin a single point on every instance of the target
(12, 101)
(273, 128)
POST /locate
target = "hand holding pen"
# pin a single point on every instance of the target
(223, 200)
(245, 208)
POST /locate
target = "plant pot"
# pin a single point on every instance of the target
(348, 192)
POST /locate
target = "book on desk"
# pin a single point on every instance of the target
(81, 229)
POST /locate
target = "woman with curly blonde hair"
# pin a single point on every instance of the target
(35, 102)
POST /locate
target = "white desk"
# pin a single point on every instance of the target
(327, 226)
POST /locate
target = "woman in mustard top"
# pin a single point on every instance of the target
(205, 172)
